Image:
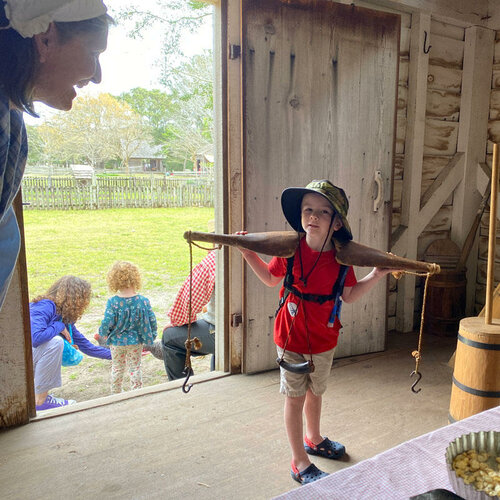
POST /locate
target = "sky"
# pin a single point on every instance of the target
(128, 63)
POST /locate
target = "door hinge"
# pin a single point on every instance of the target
(234, 51)
(236, 319)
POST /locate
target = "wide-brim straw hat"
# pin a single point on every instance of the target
(291, 203)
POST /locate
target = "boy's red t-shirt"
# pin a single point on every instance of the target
(310, 318)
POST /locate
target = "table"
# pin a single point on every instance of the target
(411, 468)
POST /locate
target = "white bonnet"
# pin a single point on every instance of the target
(30, 17)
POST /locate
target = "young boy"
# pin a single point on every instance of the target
(307, 323)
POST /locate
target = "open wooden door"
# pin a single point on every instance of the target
(319, 101)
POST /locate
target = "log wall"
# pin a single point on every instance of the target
(441, 133)
(493, 136)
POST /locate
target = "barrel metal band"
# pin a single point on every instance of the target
(478, 345)
(476, 392)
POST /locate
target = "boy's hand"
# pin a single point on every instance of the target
(382, 271)
(243, 251)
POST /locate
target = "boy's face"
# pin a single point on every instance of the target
(316, 215)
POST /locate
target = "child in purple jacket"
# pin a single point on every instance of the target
(51, 314)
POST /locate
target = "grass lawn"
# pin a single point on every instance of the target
(85, 244)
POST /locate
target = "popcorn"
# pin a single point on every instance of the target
(474, 468)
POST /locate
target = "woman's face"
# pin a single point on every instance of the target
(65, 65)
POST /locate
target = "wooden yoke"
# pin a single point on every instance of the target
(355, 254)
(284, 244)
(276, 243)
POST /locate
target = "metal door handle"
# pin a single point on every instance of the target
(380, 191)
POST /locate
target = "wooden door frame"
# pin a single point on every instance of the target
(233, 166)
(17, 398)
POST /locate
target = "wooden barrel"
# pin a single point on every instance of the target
(445, 303)
(476, 377)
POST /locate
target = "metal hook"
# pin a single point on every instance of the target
(426, 50)
(185, 386)
(419, 376)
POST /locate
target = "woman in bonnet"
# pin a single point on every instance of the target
(47, 48)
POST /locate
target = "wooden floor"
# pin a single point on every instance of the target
(225, 439)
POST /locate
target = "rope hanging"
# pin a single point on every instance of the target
(417, 354)
(195, 342)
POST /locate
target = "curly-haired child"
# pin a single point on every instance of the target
(53, 315)
(129, 322)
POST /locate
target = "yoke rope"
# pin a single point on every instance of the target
(195, 342)
(417, 354)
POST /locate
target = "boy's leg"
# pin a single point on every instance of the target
(294, 387)
(318, 381)
(312, 411)
(118, 362)
(294, 431)
(134, 358)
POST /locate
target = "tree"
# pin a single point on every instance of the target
(187, 105)
(175, 17)
(37, 146)
(155, 106)
(96, 130)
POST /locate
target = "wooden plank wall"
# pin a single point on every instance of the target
(493, 136)
(441, 130)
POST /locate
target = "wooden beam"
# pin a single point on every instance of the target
(412, 171)
(235, 180)
(440, 190)
(221, 200)
(399, 240)
(472, 137)
(17, 397)
(459, 12)
(485, 168)
(440, 179)
(483, 176)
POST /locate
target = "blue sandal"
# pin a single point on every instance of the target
(326, 449)
(308, 475)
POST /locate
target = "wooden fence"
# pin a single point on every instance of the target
(66, 193)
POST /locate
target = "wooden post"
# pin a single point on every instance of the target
(490, 278)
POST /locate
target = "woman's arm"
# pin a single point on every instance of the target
(353, 293)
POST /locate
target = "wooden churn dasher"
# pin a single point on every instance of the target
(476, 376)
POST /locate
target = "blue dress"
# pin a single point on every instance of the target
(13, 153)
(128, 321)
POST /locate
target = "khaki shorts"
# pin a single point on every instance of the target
(297, 384)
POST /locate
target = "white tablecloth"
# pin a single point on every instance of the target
(411, 468)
